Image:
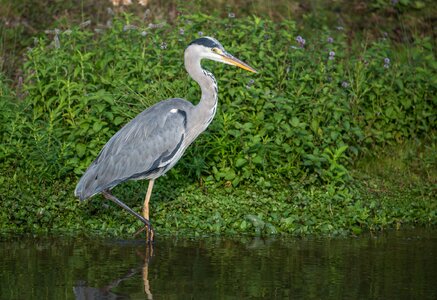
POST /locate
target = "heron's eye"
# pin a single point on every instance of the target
(216, 50)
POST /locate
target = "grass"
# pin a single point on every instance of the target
(404, 165)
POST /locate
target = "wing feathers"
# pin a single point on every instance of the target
(151, 141)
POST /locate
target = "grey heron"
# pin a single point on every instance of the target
(152, 143)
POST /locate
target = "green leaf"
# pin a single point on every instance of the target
(97, 126)
(80, 149)
(294, 122)
(240, 162)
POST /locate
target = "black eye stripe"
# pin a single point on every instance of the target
(207, 42)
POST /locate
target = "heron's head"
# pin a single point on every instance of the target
(210, 48)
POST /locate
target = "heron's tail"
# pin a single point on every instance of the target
(87, 185)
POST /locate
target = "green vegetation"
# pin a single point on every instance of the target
(329, 138)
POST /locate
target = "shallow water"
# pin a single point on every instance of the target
(393, 265)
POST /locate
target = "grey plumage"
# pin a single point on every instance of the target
(151, 143)
(145, 148)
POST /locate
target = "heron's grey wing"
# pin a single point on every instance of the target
(143, 148)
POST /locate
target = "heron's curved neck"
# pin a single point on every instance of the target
(208, 85)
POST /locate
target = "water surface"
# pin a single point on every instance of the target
(393, 265)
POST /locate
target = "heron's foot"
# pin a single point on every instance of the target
(150, 233)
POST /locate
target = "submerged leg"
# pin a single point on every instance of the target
(146, 222)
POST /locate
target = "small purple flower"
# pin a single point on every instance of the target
(231, 15)
(300, 41)
(394, 2)
(330, 40)
(163, 45)
(181, 31)
(200, 33)
(331, 55)
(250, 83)
(345, 84)
(386, 62)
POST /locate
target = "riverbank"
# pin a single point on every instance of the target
(389, 192)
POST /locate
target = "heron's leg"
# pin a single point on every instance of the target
(147, 199)
(109, 196)
(146, 206)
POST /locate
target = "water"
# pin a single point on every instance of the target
(394, 265)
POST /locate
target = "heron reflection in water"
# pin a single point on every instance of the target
(84, 292)
(152, 143)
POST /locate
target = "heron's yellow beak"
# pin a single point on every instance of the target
(228, 58)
